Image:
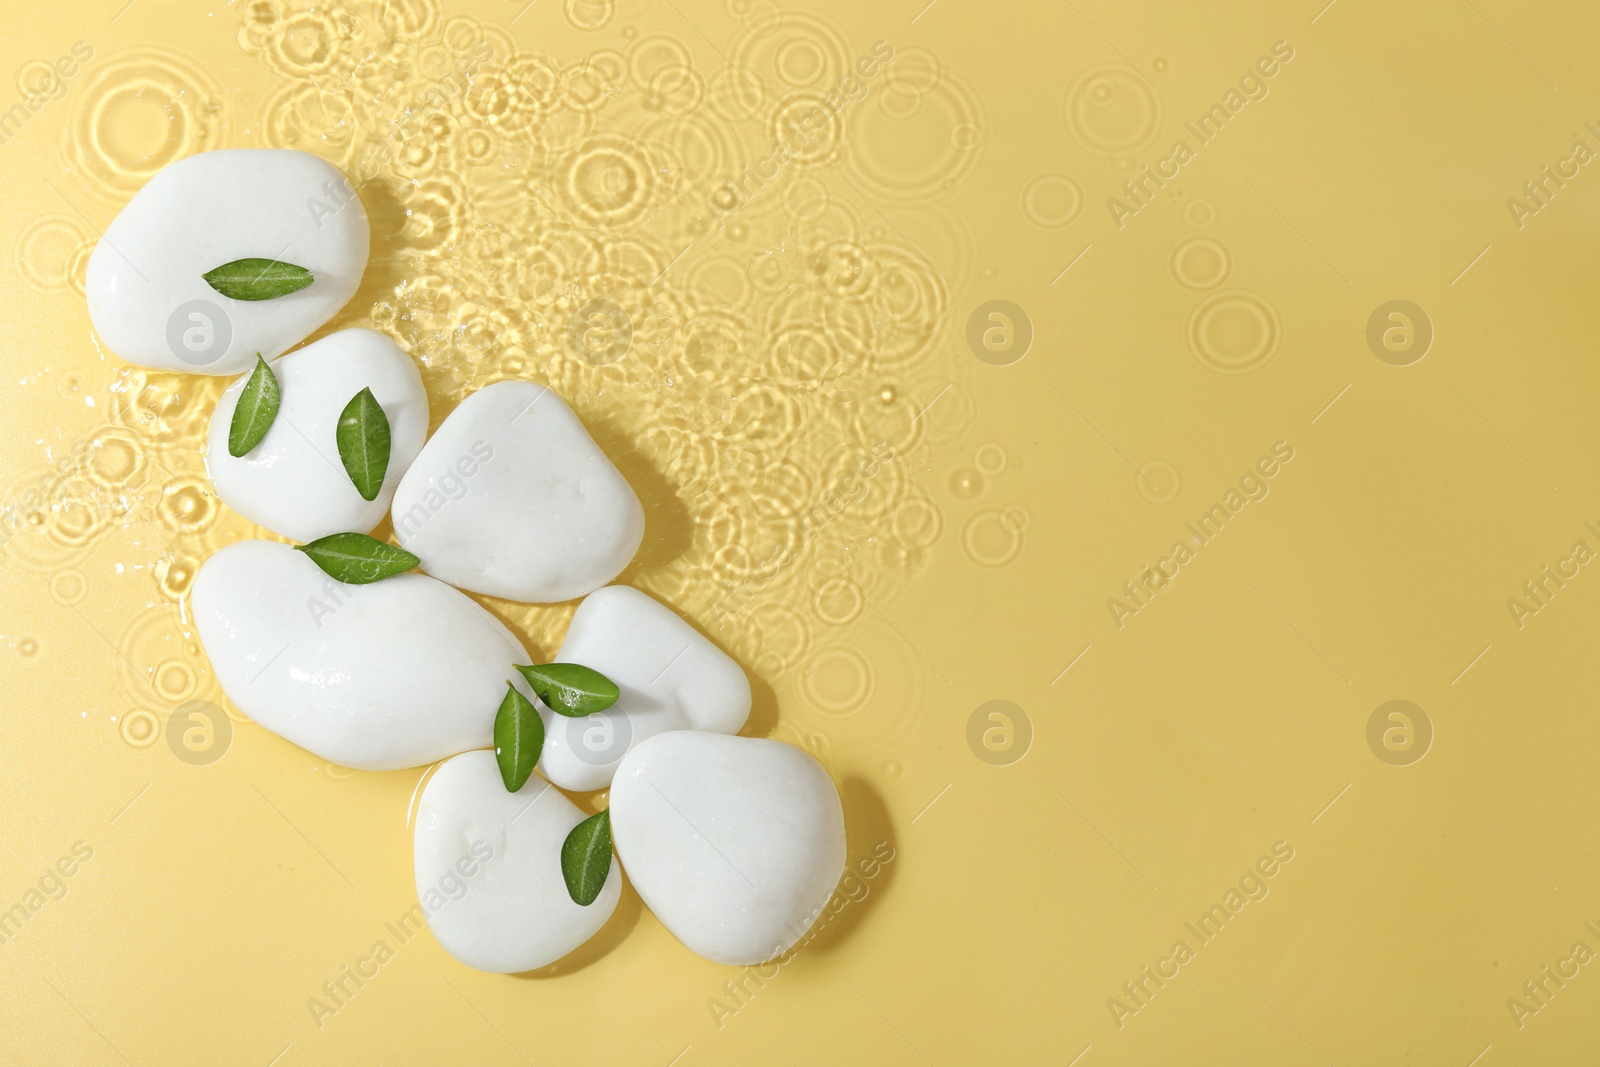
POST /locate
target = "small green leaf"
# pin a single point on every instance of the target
(518, 738)
(257, 407)
(571, 689)
(356, 559)
(257, 279)
(586, 858)
(363, 436)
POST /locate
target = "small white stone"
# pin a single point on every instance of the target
(488, 866)
(735, 843)
(397, 673)
(511, 497)
(671, 677)
(147, 297)
(294, 482)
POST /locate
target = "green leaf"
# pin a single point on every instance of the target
(356, 559)
(586, 858)
(518, 738)
(257, 407)
(571, 689)
(257, 279)
(363, 436)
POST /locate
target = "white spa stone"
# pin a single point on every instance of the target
(507, 908)
(671, 677)
(735, 843)
(147, 298)
(511, 497)
(293, 482)
(397, 673)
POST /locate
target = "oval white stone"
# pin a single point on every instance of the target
(147, 298)
(735, 843)
(671, 677)
(397, 673)
(294, 482)
(512, 912)
(511, 497)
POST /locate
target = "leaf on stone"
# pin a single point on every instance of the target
(571, 689)
(257, 279)
(518, 738)
(257, 407)
(356, 559)
(586, 858)
(363, 437)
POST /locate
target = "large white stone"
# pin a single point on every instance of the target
(294, 482)
(511, 497)
(735, 843)
(507, 908)
(397, 673)
(147, 298)
(671, 677)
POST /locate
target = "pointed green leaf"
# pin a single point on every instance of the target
(586, 858)
(257, 279)
(571, 689)
(257, 407)
(356, 559)
(518, 738)
(363, 436)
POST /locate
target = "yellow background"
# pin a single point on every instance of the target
(775, 348)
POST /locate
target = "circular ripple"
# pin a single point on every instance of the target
(139, 111)
(44, 524)
(1234, 333)
(411, 18)
(68, 587)
(912, 74)
(139, 728)
(1113, 111)
(1158, 482)
(314, 118)
(838, 681)
(589, 16)
(785, 636)
(436, 214)
(188, 506)
(1052, 201)
(585, 88)
(813, 131)
(696, 147)
(907, 308)
(721, 282)
(157, 658)
(47, 251)
(795, 49)
(931, 149)
(800, 61)
(116, 459)
(609, 181)
(1200, 214)
(917, 523)
(837, 601)
(1200, 263)
(990, 458)
(659, 64)
(994, 538)
(965, 483)
(806, 198)
(175, 574)
(870, 692)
